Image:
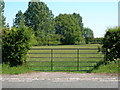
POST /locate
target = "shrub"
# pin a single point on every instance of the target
(111, 42)
(15, 45)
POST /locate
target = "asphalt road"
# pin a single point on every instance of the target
(61, 84)
(59, 80)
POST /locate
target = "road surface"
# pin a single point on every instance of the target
(59, 80)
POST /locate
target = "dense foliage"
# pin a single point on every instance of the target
(63, 29)
(88, 35)
(19, 19)
(41, 20)
(2, 24)
(78, 18)
(2, 18)
(69, 28)
(111, 43)
(15, 45)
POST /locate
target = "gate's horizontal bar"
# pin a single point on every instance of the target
(53, 57)
(57, 66)
(67, 61)
(38, 61)
(65, 66)
(40, 57)
(50, 66)
(39, 53)
(61, 70)
(90, 57)
(86, 66)
(62, 53)
(64, 48)
(66, 57)
(38, 66)
(88, 53)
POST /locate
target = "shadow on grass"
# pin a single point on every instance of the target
(96, 66)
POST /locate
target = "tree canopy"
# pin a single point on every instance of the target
(68, 26)
(63, 29)
(2, 18)
(88, 35)
(79, 20)
(41, 20)
(50, 30)
(39, 17)
(19, 19)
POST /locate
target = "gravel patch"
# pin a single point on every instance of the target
(59, 77)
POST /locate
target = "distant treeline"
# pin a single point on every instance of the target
(64, 29)
(49, 30)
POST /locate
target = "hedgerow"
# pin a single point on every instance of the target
(111, 43)
(15, 44)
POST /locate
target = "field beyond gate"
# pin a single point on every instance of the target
(64, 58)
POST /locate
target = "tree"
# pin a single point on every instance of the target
(2, 22)
(68, 27)
(39, 18)
(88, 35)
(19, 19)
(79, 20)
(2, 18)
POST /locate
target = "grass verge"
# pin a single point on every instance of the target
(111, 67)
(14, 70)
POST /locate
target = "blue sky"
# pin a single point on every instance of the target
(96, 15)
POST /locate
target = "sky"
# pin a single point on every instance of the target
(97, 15)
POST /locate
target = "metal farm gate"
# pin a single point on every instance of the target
(64, 59)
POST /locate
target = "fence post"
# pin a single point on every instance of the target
(51, 59)
(77, 59)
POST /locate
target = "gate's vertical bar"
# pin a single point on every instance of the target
(51, 59)
(77, 59)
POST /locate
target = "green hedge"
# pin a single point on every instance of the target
(15, 45)
(111, 43)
